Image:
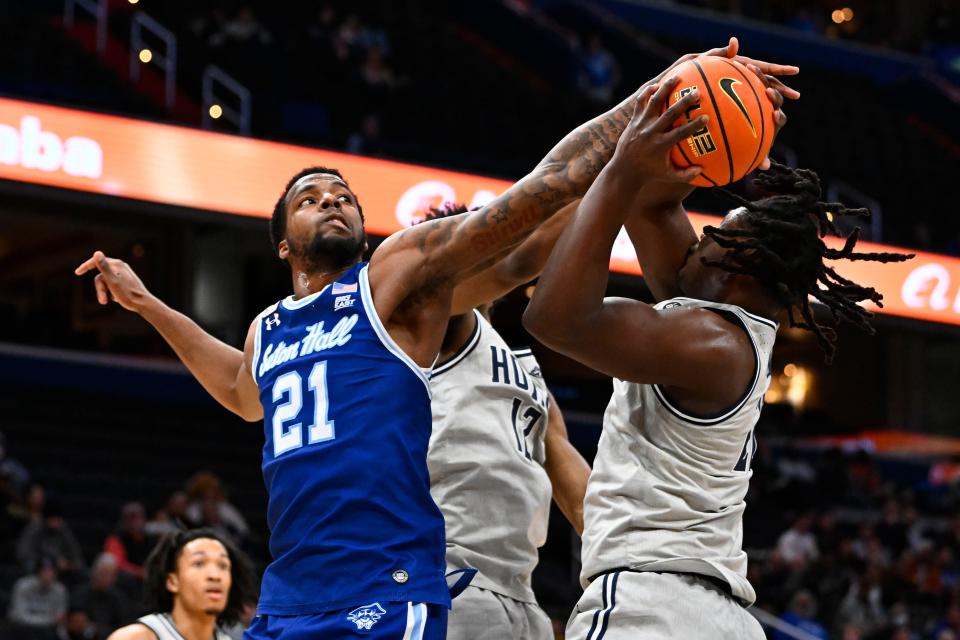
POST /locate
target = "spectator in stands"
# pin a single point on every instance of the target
(206, 486)
(242, 29)
(802, 614)
(797, 545)
(916, 531)
(375, 73)
(11, 467)
(77, 626)
(130, 544)
(599, 73)
(35, 502)
(39, 600)
(826, 534)
(891, 530)
(50, 538)
(171, 517)
(949, 624)
(104, 604)
(863, 605)
(367, 140)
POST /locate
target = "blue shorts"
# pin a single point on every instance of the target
(379, 620)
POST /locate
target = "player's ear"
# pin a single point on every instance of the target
(283, 250)
(173, 583)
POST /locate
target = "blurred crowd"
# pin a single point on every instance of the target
(844, 552)
(838, 547)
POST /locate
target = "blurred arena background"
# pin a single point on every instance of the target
(162, 133)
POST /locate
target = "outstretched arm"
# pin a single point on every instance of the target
(626, 338)
(566, 468)
(221, 369)
(519, 265)
(444, 253)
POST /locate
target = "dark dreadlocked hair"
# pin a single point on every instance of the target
(783, 248)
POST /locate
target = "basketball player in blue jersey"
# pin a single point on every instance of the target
(663, 530)
(338, 372)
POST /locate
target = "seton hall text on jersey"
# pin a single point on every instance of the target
(316, 340)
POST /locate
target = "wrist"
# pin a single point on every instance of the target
(149, 306)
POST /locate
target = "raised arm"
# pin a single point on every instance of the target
(626, 338)
(221, 369)
(658, 225)
(449, 251)
(519, 265)
(566, 468)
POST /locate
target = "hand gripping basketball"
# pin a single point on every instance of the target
(645, 144)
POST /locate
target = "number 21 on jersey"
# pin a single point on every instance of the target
(288, 388)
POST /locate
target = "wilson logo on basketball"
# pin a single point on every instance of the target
(32, 147)
(727, 85)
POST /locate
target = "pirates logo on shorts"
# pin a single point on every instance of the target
(366, 616)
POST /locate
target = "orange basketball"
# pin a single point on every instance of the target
(740, 130)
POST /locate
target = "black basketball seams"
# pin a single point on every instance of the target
(716, 110)
(763, 121)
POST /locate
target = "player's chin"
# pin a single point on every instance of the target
(215, 609)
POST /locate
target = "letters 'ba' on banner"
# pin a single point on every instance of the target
(111, 155)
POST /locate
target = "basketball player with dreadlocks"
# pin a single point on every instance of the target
(499, 449)
(662, 555)
(195, 584)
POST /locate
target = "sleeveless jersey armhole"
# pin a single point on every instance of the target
(370, 309)
(707, 420)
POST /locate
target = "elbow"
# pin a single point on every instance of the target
(552, 330)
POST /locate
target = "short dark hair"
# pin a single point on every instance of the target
(278, 221)
(783, 248)
(447, 210)
(163, 561)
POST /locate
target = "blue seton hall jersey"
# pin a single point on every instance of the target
(347, 423)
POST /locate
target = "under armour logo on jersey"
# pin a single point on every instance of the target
(273, 322)
(367, 616)
(342, 302)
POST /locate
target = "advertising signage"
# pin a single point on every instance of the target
(110, 155)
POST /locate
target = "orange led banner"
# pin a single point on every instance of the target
(173, 165)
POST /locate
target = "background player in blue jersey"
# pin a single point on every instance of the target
(337, 372)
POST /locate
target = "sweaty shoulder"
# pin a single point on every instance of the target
(132, 632)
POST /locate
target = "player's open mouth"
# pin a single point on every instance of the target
(338, 221)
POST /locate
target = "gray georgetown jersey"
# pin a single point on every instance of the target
(162, 626)
(486, 461)
(667, 488)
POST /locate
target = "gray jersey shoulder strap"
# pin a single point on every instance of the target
(161, 624)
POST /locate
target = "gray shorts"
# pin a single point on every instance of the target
(629, 605)
(479, 614)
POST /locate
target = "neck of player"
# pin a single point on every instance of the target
(308, 281)
(193, 625)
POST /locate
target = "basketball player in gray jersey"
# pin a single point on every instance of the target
(662, 543)
(195, 584)
(498, 444)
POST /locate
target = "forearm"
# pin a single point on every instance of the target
(661, 234)
(580, 261)
(513, 267)
(213, 363)
(587, 149)
(568, 473)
